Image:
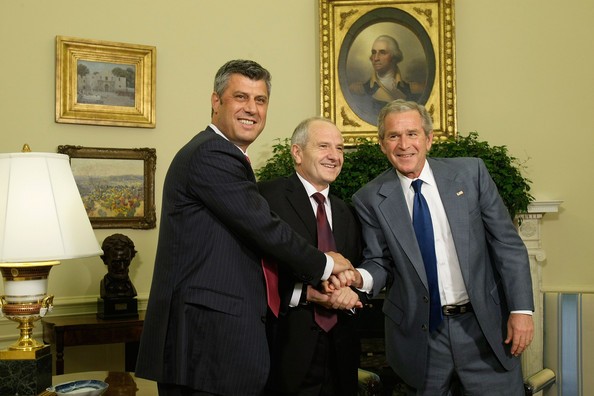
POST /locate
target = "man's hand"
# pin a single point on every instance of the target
(520, 330)
(343, 271)
(341, 263)
(343, 298)
(337, 281)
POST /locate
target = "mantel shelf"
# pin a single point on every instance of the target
(544, 206)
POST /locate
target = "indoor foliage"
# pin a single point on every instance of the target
(365, 161)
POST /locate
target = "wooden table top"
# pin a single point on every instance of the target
(120, 383)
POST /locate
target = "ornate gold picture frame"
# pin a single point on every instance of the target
(117, 185)
(354, 85)
(105, 83)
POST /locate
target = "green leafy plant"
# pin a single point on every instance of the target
(366, 160)
(280, 164)
(503, 167)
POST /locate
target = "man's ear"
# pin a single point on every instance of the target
(429, 140)
(296, 153)
(215, 102)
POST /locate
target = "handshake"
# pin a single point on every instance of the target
(336, 293)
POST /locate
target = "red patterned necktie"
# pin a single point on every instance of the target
(271, 277)
(325, 318)
(270, 269)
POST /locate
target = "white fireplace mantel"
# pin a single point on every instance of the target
(529, 229)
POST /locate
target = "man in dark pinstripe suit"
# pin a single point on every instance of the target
(204, 331)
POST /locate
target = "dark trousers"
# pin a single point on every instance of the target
(320, 378)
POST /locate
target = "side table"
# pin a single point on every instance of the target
(120, 383)
(76, 330)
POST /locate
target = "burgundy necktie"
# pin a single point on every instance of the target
(270, 269)
(325, 318)
(271, 277)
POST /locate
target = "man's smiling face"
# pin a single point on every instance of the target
(240, 113)
(405, 143)
(320, 161)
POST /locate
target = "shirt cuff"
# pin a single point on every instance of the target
(367, 280)
(522, 311)
(296, 296)
(329, 267)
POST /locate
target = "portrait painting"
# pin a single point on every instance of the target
(372, 53)
(386, 56)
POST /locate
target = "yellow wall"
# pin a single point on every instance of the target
(524, 78)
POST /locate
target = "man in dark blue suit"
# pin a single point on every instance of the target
(204, 331)
(306, 359)
(483, 290)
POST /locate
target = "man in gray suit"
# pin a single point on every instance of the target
(474, 341)
(204, 331)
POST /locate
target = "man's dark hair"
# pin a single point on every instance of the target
(247, 68)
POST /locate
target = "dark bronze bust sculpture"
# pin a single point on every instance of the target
(116, 290)
(118, 252)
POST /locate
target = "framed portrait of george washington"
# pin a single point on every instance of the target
(373, 52)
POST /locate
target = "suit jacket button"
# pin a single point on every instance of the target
(426, 299)
(424, 327)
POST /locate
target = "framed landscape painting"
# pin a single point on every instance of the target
(105, 83)
(117, 186)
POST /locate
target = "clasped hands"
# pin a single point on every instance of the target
(335, 292)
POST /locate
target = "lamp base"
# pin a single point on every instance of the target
(117, 308)
(25, 372)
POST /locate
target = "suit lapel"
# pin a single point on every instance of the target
(396, 215)
(453, 196)
(299, 201)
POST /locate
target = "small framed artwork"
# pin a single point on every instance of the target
(105, 83)
(373, 52)
(117, 186)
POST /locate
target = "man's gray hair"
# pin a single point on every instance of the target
(401, 106)
(301, 132)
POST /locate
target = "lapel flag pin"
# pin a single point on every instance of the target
(459, 193)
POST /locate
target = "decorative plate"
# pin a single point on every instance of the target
(80, 388)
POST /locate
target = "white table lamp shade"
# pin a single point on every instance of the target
(42, 216)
